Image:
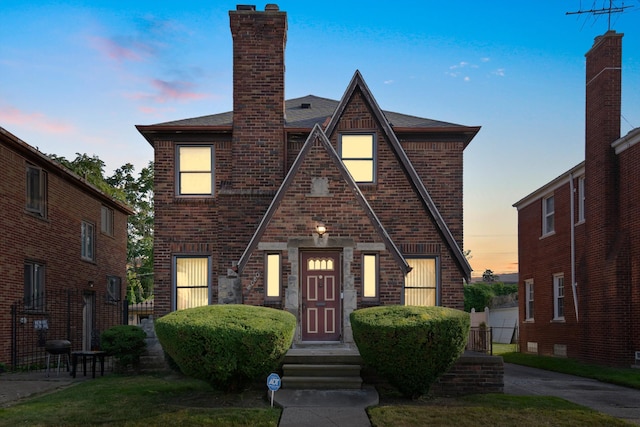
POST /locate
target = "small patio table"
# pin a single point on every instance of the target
(99, 355)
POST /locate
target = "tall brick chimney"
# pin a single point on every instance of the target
(259, 40)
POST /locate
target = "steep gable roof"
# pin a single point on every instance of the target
(358, 83)
(318, 135)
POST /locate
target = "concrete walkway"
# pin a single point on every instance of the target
(619, 402)
(320, 408)
(15, 387)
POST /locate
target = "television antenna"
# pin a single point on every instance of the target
(611, 9)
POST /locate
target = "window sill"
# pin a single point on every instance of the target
(544, 236)
(558, 320)
(529, 321)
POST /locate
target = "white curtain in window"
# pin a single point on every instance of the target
(192, 282)
(420, 283)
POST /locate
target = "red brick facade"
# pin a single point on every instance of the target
(275, 179)
(53, 241)
(604, 264)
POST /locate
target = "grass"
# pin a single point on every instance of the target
(627, 377)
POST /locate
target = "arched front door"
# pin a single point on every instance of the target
(321, 308)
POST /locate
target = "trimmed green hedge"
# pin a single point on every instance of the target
(126, 343)
(410, 346)
(229, 346)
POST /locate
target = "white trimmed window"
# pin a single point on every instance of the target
(33, 285)
(528, 290)
(106, 220)
(370, 276)
(192, 277)
(548, 215)
(421, 283)
(558, 297)
(357, 152)
(87, 237)
(36, 191)
(273, 282)
(195, 170)
(581, 197)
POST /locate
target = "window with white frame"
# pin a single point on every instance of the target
(558, 297)
(36, 191)
(421, 283)
(357, 152)
(192, 278)
(106, 220)
(195, 170)
(33, 285)
(370, 276)
(87, 237)
(273, 282)
(548, 215)
(528, 290)
(113, 288)
(581, 197)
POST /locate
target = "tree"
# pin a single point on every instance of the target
(489, 277)
(137, 193)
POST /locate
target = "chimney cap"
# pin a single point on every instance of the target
(271, 7)
(249, 7)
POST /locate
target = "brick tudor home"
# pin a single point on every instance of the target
(63, 255)
(311, 205)
(579, 236)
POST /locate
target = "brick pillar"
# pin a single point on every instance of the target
(259, 40)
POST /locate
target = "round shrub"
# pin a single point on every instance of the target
(126, 343)
(410, 347)
(229, 346)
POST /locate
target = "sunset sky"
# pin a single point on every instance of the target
(77, 76)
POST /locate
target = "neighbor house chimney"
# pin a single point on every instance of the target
(259, 40)
(602, 127)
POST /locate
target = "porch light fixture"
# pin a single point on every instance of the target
(321, 229)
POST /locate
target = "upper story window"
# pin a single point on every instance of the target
(36, 191)
(421, 283)
(357, 152)
(87, 236)
(106, 220)
(528, 289)
(581, 197)
(548, 215)
(195, 170)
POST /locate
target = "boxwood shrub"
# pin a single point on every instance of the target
(229, 346)
(126, 343)
(410, 347)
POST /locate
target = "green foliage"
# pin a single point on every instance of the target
(410, 346)
(126, 343)
(228, 346)
(479, 295)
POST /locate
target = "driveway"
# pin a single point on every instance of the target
(620, 402)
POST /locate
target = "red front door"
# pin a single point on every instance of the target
(321, 310)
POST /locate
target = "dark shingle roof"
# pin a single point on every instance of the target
(316, 112)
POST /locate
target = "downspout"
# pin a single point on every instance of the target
(574, 285)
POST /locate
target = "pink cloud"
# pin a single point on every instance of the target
(37, 121)
(122, 50)
(167, 91)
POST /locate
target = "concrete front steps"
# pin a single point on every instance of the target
(322, 367)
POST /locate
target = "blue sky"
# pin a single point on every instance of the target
(76, 76)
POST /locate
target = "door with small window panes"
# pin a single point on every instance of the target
(321, 301)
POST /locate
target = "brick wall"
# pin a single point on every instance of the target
(472, 374)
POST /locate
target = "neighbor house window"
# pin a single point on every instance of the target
(357, 153)
(581, 199)
(106, 220)
(192, 281)
(36, 191)
(195, 170)
(87, 236)
(273, 283)
(528, 290)
(420, 284)
(370, 276)
(33, 285)
(548, 214)
(558, 297)
(113, 288)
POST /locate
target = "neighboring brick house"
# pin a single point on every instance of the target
(312, 205)
(579, 236)
(63, 247)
